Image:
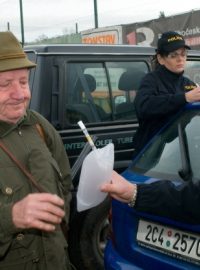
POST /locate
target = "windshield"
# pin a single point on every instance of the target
(164, 158)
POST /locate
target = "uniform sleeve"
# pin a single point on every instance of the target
(149, 103)
(166, 199)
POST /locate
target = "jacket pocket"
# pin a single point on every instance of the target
(25, 247)
(11, 190)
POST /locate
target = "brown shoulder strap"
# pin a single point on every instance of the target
(22, 168)
(41, 132)
(63, 224)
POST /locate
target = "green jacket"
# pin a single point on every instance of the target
(48, 163)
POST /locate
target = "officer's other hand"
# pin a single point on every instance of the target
(41, 211)
(193, 95)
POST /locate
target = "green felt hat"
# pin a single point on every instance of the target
(12, 55)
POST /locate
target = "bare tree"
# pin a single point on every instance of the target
(162, 14)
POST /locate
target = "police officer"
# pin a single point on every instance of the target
(164, 91)
(30, 221)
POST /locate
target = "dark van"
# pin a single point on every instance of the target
(96, 84)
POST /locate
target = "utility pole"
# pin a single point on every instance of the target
(95, 14)
(76, 28)
(22, 21)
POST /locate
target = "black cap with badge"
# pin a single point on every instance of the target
(171, 41)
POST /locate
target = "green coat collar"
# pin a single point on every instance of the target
(27, 120)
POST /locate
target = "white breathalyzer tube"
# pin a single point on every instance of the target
(89, 139)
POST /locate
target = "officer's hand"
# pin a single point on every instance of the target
(193, 95)
(119, 188)
(38, 210)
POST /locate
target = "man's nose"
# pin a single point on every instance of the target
(17, 91)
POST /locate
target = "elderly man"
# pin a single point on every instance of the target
(30, 214)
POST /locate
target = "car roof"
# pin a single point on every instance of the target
(90, 49)
(95, 49)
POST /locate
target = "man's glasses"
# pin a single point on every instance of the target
(175, 55)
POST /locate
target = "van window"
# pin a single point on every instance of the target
(32, 57)
(103, 91)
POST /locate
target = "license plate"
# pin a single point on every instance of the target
(173, 242)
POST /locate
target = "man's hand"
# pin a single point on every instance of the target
(119, 188)
(38, 210)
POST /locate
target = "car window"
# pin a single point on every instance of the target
(163, 158)
(102, 91)
(193, 139)
(192, 71)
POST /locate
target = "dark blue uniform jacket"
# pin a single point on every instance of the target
(161, 95)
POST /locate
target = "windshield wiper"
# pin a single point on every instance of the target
(185, 172)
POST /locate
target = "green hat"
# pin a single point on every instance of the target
(12, 55)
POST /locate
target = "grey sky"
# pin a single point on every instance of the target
(54, 18)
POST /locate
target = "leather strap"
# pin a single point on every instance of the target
(63, 225)
(41, 132)
(22, 168)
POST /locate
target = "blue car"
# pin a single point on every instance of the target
(143, 241)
